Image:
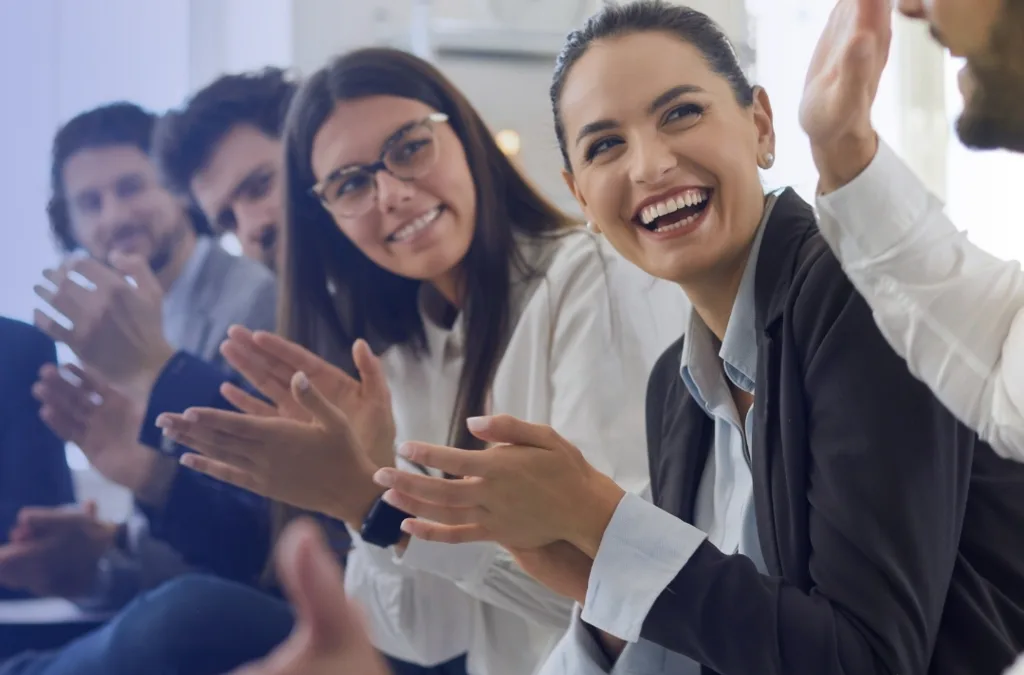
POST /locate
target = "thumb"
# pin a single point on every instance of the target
(90, 509)
(137, 268)
(371, 372)
(313, 581)
(310, 398)
(511, 430)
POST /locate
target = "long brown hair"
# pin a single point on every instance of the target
(331, 294)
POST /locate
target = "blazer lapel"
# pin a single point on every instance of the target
(677, 467)
(791, 224)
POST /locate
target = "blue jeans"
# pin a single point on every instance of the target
(194, 625)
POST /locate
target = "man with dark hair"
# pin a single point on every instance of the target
(151, 287)
(223, 148)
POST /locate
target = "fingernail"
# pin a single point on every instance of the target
(191, 415)
(163, 423)
(476, 423)
(384, 478)
(406, 526)
(301, 381)
(405, 450)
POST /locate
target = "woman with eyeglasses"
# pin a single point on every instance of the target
(409, 230)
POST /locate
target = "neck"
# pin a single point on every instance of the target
(176, 265)
(714, 295)
(450, 286)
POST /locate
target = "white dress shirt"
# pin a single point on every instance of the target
(949, 308)
(578, 359)
(644, 548)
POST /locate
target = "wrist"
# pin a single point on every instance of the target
(596, 510)
(354, 505)
(840, 161)
(152, 366)
(153, 484)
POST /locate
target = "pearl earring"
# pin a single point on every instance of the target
(769, 160)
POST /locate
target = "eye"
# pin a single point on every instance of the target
(353, 183)
(258, 186)
(601, 145)
(689, 112)
(407, 151)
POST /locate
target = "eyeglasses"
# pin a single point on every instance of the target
(409, 154)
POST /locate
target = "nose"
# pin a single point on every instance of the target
(253, 220)
(114, 213)
(652, 160)
(913, 9)
(392, 192)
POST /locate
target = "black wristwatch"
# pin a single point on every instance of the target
(383, 524)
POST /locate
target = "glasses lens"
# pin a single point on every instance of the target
(414, 154)
(351, 193)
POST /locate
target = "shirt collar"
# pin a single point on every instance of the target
(181, 289)
(738, 349)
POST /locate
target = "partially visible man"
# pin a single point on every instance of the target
(33, 471)
(223, 148)
(955, 312)
(151, 282)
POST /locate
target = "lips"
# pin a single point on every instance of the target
(673, 209)
(416, 225)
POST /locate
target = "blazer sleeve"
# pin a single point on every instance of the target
(886, 487)
(213, 525)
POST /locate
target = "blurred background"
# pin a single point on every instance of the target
(59, 57)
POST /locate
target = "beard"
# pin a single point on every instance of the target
(993, 117)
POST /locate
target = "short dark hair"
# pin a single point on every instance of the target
(119, 123)
(642, 16)
(186, 138)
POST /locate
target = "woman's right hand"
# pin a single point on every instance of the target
(317, 465)
(269, 362)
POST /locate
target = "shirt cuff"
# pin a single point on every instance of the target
(876, 212)
(462, 563)
(653, 545)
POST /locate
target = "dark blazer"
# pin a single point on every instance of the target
(33, 469)
(893, 537)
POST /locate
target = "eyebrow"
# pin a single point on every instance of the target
(385, 146)
(659, 102)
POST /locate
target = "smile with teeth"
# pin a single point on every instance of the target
(675, 212)
(416, 225)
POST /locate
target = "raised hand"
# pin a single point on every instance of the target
(329, 637)
(103, 422)
(117, 326)
(528, 490)
(841, 85)
(269, 362)
(54, 551)
(318, 465)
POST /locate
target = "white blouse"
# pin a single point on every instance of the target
(578, 360)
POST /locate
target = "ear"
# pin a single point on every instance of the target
(764, 121)
(570, 182)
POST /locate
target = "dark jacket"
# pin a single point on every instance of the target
(33, 468)
(893, 537)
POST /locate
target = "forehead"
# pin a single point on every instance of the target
(241, 151)
(94, 168)
(618, 77)
(356, 130)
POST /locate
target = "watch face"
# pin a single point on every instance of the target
(538, 14)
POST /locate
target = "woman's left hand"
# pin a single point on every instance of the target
(319, 465)
(528, 490)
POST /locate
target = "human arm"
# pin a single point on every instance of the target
(948, 307)
(593, 325)
(952, 310)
